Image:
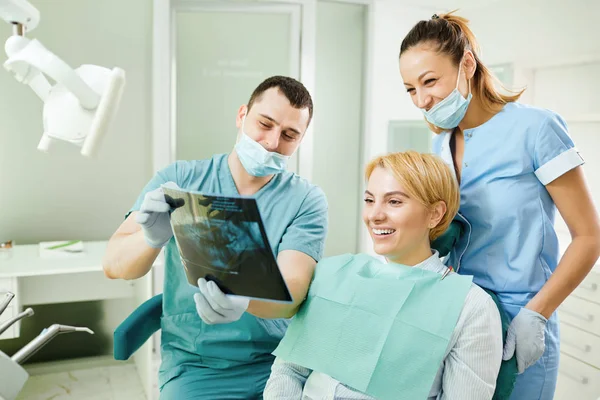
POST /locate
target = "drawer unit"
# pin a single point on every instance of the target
(589, 289)
(577, 380)
(580, 313)
(580, 344)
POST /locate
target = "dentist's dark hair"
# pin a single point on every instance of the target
(450, 35)
(293, 90)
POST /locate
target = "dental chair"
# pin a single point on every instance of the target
(145, 321)
(137, 328)
(508, 369)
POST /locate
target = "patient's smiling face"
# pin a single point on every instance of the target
(398, 224)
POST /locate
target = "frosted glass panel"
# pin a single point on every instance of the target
(221, 58)
(338, 119)
(409, 135)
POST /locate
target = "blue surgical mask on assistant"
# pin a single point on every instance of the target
(257, 160)
(448, 113)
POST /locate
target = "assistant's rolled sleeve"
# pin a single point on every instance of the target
(308, 230)
(554, 153)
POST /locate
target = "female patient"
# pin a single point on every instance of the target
(400, 329)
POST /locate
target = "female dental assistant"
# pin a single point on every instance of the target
(516, 165)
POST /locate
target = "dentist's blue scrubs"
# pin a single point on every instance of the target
(230, 361)
(511, 246)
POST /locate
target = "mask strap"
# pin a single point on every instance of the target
(459, 68)
(458, 77)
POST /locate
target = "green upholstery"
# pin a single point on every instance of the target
(508, 370)
(137, 328)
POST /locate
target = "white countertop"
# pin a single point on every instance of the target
(25, 261)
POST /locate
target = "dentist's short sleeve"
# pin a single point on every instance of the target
(308, 230)
(554, 152)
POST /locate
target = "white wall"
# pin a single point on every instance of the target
(387, 100)
(536, 31)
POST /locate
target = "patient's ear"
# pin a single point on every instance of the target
(438, 210)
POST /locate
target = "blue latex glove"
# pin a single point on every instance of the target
(525, 336)
(154, 217)
(215, 307)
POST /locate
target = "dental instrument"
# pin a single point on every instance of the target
(8, 296)
(12, 375)
(7, 324)
(40, 341)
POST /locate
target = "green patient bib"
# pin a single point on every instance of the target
(381, 329)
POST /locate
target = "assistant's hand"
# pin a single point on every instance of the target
(525, 336)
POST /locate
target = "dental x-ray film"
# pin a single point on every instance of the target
(223, 239)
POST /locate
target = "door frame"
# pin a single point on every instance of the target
(164, 82)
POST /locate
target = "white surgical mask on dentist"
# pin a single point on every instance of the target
(257, 160)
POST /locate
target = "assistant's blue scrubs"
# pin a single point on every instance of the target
(511, 246)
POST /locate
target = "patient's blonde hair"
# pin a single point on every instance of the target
(425, 178)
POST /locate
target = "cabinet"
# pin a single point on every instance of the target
(579, 368)
(35, 280)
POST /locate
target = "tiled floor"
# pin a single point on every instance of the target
(101, 383)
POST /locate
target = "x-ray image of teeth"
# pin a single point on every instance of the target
(224, 242)
(223, 239)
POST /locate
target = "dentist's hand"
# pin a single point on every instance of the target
(154, 217)
(525, 336)
(215, 307)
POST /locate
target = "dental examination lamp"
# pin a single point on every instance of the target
(81, 105)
